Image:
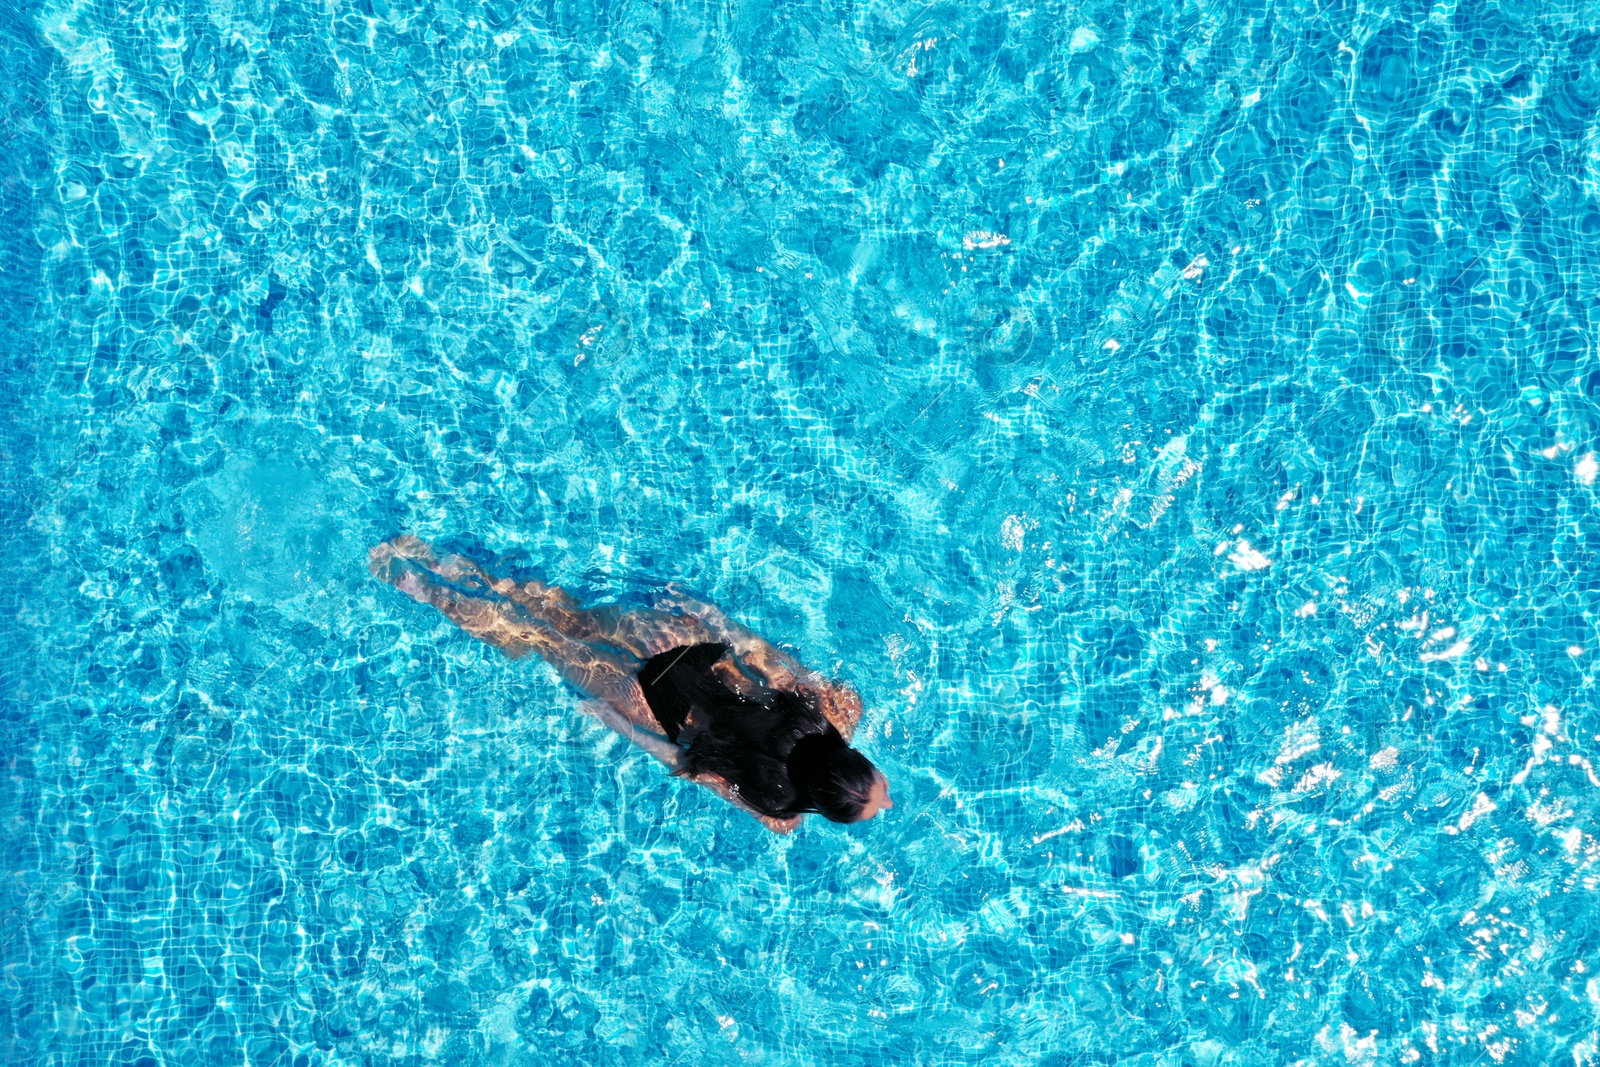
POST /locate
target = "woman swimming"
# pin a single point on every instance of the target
(708, 698)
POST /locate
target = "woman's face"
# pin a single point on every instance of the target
(878, 801)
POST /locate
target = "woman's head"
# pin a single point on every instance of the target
(844, 786)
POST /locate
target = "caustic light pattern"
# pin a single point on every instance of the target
(1178, 420)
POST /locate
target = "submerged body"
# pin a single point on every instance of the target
(705, 696)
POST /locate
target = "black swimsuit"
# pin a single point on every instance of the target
(679, 680)
(746, 740)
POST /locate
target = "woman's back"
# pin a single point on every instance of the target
(745, 739)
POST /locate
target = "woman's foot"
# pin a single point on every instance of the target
(404, 547)
(400, 566)
(409, 564)
(457, 570)
(467, 574)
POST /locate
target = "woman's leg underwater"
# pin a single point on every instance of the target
(510, 627)
(644, 632)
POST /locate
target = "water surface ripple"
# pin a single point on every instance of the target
(1179, 420)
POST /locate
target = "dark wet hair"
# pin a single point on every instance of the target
(779, 752)
(834, 779)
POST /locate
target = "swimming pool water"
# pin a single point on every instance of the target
(1179, 421)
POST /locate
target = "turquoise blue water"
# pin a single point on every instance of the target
(1178, 420)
